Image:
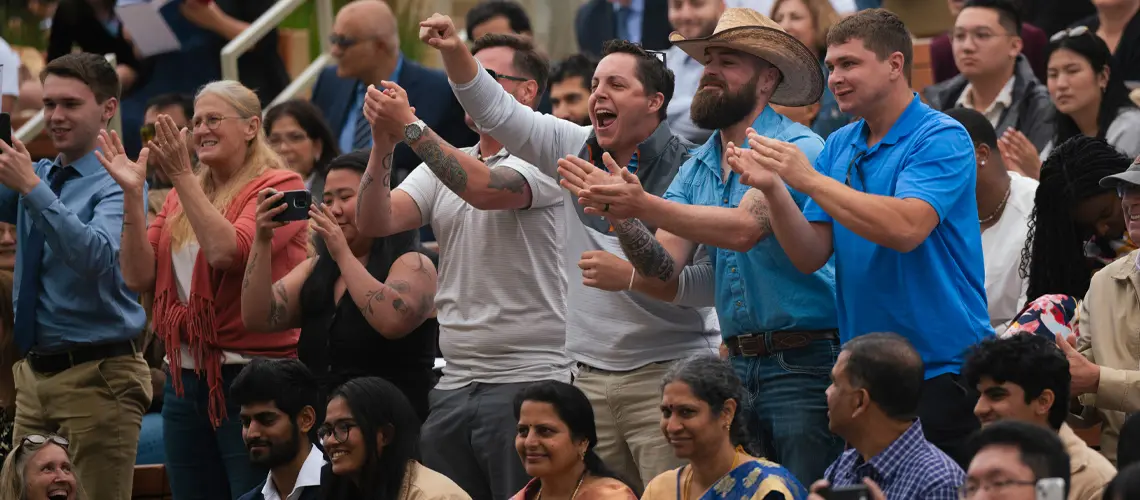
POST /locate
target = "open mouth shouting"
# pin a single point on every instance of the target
(605, 118)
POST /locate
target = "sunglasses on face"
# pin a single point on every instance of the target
(510, 78)
(1069, 33)
(345, 42)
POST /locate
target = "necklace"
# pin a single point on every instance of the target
(688, 483)
(997, 211)
(572, 495)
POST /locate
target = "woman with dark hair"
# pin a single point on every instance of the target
(371, 436)
(1090, 97)
(556, 443)
(297, 131)
(701, 416)
(1077, 225)
(360, 302)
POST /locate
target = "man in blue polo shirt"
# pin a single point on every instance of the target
(778, 324)
(892, 196)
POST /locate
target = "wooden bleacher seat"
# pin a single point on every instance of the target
(151, 483)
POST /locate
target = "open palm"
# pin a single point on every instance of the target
(131, 175)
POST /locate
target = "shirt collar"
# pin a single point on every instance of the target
(86, 165)
(634, 6)
(766, 124)
(647, 152)
(1004, 97)
(906, 123)
(477, 152)
(361, 88)
(887, 461)
(310, 475)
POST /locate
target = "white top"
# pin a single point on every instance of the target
(501, 300)
(10, 74)
(992, 113)
(310, 475)
(183, 262)
(1001, 249)
(617, 331)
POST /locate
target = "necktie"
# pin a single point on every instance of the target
(26, 303)
(622, 18)
(362, 136)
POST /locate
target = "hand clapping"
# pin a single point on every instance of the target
(130, 175)
(169, 148)
(388, 111)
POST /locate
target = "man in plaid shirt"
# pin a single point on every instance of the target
(872, 403)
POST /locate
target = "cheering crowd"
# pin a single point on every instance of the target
(745, 260)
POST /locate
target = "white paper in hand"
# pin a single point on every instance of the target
(148, 29)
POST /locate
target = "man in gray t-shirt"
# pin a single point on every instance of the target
(501, 296)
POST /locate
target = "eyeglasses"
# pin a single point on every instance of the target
(40, 439)
(345, 42)
(339, 431)
(511, 78)
(147, 133)
(212, 121)
(1069, 33)
(858, 171)
(968, 490)
(1123, 190)
(979, 36)
(659, 55)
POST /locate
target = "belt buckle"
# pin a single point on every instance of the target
(750, 344)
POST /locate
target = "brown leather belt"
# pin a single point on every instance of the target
(753, 344)
(55, 363)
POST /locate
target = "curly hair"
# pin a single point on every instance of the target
(1032, 362)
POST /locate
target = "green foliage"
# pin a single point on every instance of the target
(408, 14)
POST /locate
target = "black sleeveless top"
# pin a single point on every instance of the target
(338, 344)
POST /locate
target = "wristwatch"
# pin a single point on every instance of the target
(413, 131)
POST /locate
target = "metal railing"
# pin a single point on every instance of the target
(35, 124)
(268, 22)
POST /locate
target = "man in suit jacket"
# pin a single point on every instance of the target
(366, 44)
(640, 21)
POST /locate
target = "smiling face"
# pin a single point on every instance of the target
(346, 455)
(619, 103)
(728, 88)
(1072, 83)
(271, 437)
(689, 423)
(228, 140)
(858, 79)
(695, 18)
(341, 186)
(49, 475)
(1130, 205)
(1007, 401)
(72, 116)
(796, 19)
(544, 442)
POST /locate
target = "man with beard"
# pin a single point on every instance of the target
(621, 342)
(779, 325)
(279, 399)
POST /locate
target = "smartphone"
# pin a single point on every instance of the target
(853, 492)
(1052, 488)
(6, 128)
(297, 206)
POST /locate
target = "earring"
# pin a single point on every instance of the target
(983, 163)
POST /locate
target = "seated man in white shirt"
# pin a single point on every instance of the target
(278, 399)
(1005, 201)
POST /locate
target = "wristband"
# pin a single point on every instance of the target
(631, 277)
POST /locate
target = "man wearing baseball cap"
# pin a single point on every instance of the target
(779, 325)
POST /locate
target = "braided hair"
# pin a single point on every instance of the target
(1053, 258)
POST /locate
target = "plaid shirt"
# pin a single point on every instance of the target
(910, 468)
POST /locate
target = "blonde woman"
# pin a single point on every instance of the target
(193, 258)
(808, 21)
(40, 469)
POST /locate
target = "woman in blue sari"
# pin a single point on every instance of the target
(701, 403)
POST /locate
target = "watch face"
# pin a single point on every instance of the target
(412, 132)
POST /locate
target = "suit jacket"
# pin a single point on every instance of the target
(309, 493)
(596, 24)
(428, 92)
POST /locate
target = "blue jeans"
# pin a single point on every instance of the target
(788, 420)
(204, 463)
(151, 450)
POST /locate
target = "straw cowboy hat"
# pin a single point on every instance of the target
(753, 33)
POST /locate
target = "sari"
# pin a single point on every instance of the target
(756, 479)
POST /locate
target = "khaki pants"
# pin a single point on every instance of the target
(98, 406)
(627, 411)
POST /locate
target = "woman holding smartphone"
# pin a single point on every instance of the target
(360, 302)
(192, 257)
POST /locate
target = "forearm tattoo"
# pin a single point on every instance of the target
(371, 297)
(249, 270)
(506, 179)
(643, 250)
(279, 303)
(446, 166)
(761, 213)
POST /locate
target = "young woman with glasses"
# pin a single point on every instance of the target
(371, 437)
(40, 469)
(193, 257)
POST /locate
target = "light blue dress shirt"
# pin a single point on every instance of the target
(83, 300)
(348, 132)
(759, 290)
(634, 14)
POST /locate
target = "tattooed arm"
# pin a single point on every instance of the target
(268, 306)
(737, 229)
(661, 257)
(499, 188)
(379, 211)
(401, 304)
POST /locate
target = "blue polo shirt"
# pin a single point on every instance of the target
(933, 295)
(759, 290)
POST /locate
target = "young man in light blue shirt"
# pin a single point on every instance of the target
(778, 324)
(892, 197)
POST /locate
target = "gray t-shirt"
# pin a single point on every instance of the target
(618, 331)
(502, 294)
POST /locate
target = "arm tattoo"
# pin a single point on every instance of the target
(372, 296)
(365, 183)
(249, 270)
(279, 302)
(506, 179)
(446, 166)
(759, 210)
(398, 303)
(386, 165)
(644, 251)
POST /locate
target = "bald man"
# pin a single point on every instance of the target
(366, 45)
